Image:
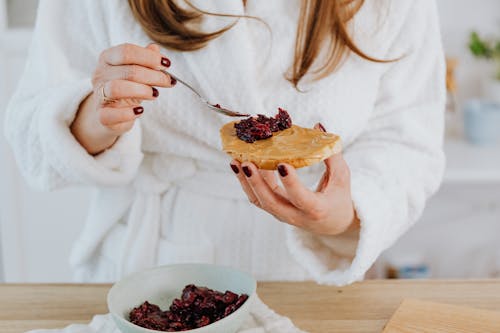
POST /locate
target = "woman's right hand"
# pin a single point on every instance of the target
(125, 76)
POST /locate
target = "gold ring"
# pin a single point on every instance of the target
(103, 95)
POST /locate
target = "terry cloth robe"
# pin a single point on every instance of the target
(165, 192)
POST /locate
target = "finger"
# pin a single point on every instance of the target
(138, 74)
(118, 89)
(269, 177)
(323, 182)
(153, 47)
(130, 54)
(236, 166)
(338, 171)
(324, 179)
(112, 116)
(120, 128)
(299, 195)
(320, 127)
(269, 200)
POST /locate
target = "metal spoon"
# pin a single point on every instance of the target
(211, 106)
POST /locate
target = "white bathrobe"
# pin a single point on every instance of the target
(165, 192)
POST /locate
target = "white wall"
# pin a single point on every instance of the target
(458, 19)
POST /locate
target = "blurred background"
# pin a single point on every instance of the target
(457, 236)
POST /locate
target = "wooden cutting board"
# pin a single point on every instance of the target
(415, 316)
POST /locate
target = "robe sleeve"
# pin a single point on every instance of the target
(67, 41)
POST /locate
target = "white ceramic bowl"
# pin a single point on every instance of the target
(162, 284)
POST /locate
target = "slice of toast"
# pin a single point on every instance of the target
(297, 146)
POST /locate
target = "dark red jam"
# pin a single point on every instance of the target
(197, 307)
(262, 127)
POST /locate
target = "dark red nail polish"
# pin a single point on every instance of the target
(321, 127)
(138, 110)
(155, 92)
(235, 169)
(247, 171)
(165, 62)
(282, 170)
(173, 81)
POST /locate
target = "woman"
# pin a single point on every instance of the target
(91, 109)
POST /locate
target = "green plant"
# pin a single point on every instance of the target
(486, 49)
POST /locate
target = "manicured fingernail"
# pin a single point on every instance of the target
(282, 170)
(165, 62)
(155, 92)
(173, 81)
(138, 110)
(247, 171)
(235, 169)
(321, 127)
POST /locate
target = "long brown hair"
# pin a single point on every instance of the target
(322, 26)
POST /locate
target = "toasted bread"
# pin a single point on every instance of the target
(296, 146)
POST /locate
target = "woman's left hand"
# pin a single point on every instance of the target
(327, 211)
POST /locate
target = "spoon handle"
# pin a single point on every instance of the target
(185, 84)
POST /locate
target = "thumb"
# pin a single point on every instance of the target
(338, 170)
(320, 127)
(153, 47)
(336, 167)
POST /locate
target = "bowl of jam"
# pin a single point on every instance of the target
(197, 298)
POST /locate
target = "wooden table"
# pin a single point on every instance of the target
(362, 307)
